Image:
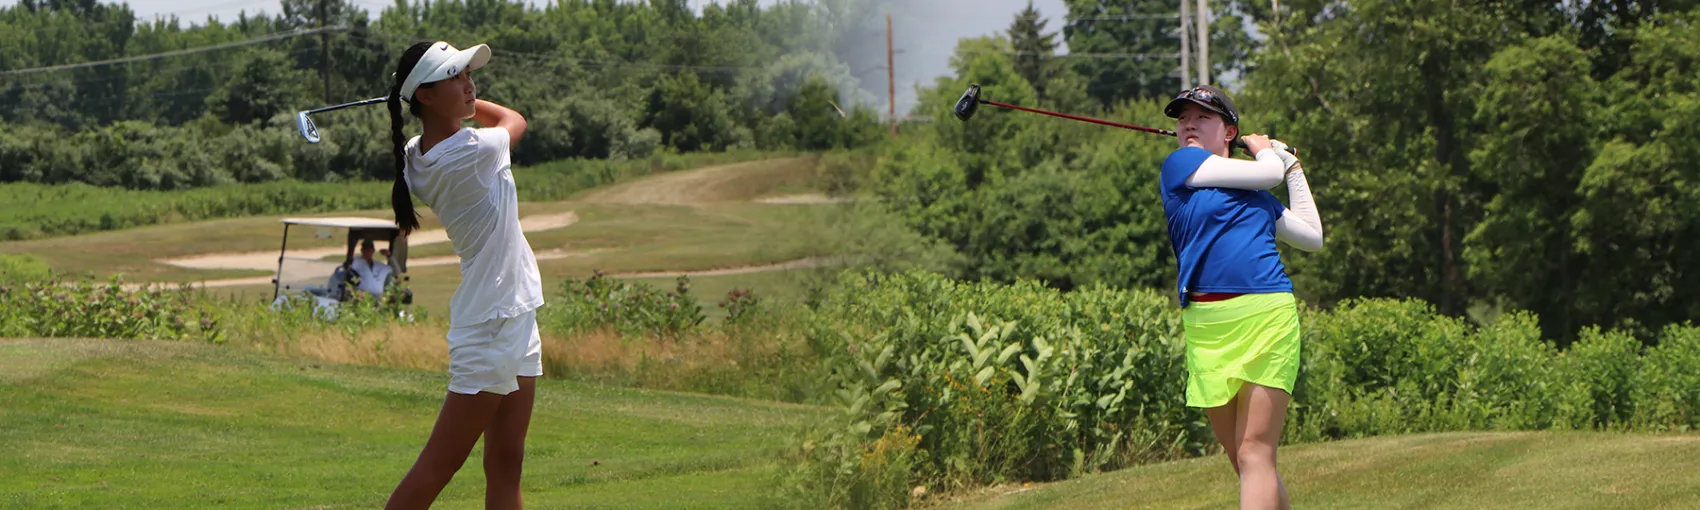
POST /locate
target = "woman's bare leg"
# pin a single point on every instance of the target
(504, 447)
(1223, 423)
(462, 420)
(1262, 413)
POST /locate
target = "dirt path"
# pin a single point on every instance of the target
(541, 256)
(724, 183)
(444, 260)
(267, 260)
(804, 199)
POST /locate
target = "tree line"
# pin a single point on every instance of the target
(599, 79)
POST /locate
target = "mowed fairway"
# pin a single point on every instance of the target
(138, 424)
(1476, 470)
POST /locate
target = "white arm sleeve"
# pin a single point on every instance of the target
(1301, 226)
(1220, 172)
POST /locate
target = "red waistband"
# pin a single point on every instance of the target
(1206, 297)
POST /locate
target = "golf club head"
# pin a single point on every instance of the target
(308, 130)
(969, 103)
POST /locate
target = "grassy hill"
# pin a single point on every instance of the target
(1568, 470)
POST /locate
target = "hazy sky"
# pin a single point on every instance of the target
(933, 27)
(924, 49)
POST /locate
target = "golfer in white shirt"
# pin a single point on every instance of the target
(495, 354)
(372, 273)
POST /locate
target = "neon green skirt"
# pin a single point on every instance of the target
(1252, 338)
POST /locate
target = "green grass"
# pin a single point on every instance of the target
(1556, 470)
(133, 424)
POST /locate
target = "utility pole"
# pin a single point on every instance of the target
(891, 75)
(1203, 42)
(325, 49)
(1186, 45)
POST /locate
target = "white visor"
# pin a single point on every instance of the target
(442, 62)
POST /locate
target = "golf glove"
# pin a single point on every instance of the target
(1288, 160)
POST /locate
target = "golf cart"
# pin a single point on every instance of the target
(317, 273)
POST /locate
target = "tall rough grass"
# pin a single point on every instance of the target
(746, 355)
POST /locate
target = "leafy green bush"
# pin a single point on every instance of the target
(861, 474)
(740, 304)
(54, 308)
(1002, 382)
(1665, 391)
(1067, 206)
(1508, 381)
(1599, 373)
(1376, 366)
(630, 308)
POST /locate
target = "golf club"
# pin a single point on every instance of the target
(311, 131)
(971, 102)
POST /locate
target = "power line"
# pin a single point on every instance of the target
(1138, 56)
(153, 73)
(542, 58)
(545, 58)
(191, 51)
(1128, 17)
(1066, 19)
(207, 8)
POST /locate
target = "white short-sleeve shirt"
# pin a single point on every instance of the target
(468, 181)
(372, 275)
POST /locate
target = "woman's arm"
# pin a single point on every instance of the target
(1301, 226)
(1220, 172)
(490, 114)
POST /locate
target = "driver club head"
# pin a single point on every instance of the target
(308, 130)
(969, 103)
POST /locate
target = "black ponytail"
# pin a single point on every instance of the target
(400, 199)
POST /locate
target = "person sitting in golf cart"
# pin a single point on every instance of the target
(373, 275)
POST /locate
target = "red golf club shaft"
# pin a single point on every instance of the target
(1237, 143)
(1082, 119)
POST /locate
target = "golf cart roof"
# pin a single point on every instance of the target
(347, 222)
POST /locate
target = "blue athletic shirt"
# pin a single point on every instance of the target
(1224, 238)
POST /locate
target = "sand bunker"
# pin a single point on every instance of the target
(267, 260)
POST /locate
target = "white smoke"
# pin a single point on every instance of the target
(925, 35)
